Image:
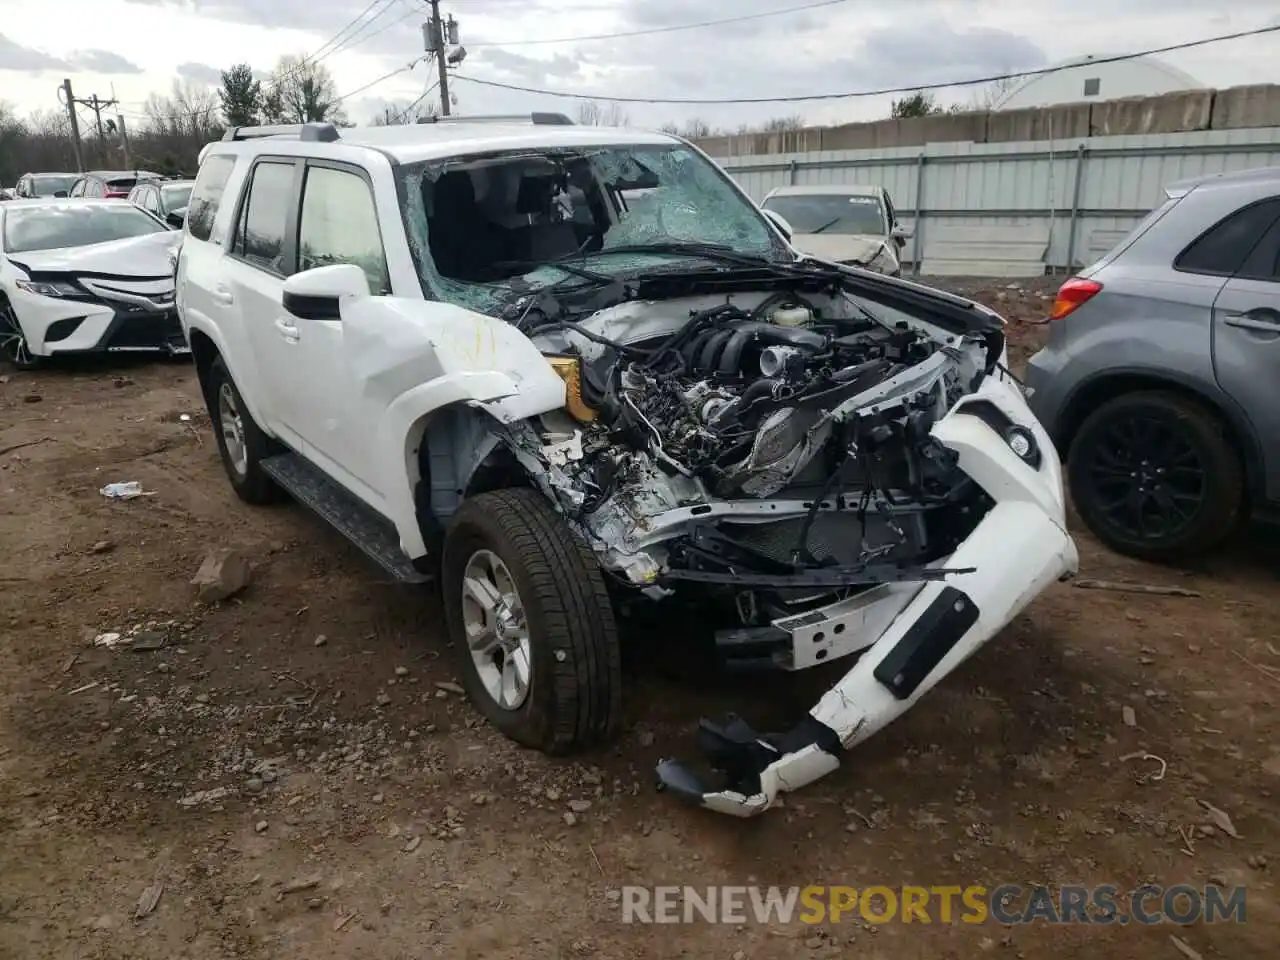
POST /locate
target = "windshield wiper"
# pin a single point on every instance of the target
(828, 225)
(531, 265)
(717, 252)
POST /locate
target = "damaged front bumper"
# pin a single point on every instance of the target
(913, 634)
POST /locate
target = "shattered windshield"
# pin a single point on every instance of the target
(483, 230)
(830, 213)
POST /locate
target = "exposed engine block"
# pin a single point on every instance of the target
(737, 402)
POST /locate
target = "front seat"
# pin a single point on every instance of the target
(543, 239)
(458, 233)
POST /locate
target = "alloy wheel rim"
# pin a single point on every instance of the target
(13, 342)
(1148, 480)
(232, 426)
(497, 630)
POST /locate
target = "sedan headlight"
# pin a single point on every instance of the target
(53, 289)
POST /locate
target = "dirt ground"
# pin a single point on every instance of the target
(307, 734)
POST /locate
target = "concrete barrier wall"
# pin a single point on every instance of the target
(1195, 110)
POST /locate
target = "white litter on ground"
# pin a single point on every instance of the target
(125, 491)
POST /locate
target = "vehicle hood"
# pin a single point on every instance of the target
(861, 247)
(146, 256)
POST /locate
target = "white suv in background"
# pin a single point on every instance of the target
(573, 371)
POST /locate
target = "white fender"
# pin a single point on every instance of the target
(410, 358)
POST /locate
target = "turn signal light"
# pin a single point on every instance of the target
(569, 369)
(1072, 295)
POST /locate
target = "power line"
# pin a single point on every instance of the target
(374, 83)
(361, 37)
(351, 41)
(402, 115)
(885, 91)
(336, 38)
(674, 28)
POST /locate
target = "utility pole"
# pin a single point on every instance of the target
(69, 100)
(124, 141)
(97, 105)
(434, 32)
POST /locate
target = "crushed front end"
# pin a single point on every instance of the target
(833, 476)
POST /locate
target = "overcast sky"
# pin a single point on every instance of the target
(136, 47)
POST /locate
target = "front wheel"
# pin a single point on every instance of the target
(13, 341)
(532, 622)
(1154, 476)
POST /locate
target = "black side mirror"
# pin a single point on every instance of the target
(60, 193)
(176, 218)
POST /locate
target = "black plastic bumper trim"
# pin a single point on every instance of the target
(948, 618)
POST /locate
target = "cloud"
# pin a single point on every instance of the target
(14, 56)
(518, 68)
(200, 73)
(102, 61)
(850, 46)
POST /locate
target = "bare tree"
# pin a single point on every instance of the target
(13, 135)
(302, 91)
(594, 114)
(190, 110)
(419, 112)
(986, 97)
(177, 126)
(783, 124)
(695, 128)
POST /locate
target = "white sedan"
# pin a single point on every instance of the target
(85, 276)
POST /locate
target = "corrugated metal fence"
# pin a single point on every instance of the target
(1088, 193)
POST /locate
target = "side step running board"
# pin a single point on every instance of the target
(366, 528)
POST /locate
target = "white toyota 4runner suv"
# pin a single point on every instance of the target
(573, 371)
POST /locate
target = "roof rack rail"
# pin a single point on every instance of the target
(538, 118)
(313, 132)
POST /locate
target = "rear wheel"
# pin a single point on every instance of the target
(532, 622)
(1153, 475)
(13, 341)
(241, 443)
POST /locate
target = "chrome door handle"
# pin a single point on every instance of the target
(223, 296)
(287, 330)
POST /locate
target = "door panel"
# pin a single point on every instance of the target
(252, 283)
(337, 223)
(1246, 347)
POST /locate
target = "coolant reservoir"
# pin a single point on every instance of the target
(791, 315)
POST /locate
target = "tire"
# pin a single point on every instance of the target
(1190, 462)
(573, 696)
(13, 342)
(250, 481)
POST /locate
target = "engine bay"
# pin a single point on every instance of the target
(786, 440)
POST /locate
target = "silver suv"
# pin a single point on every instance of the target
(1160, 382)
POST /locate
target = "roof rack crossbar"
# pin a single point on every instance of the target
(312, 132)
(538, 118)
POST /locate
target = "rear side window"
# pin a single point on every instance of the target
(1264, 262)
(1222, 249)
(206, 195)
(260, 233)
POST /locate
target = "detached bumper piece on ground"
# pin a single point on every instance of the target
(1017, 550)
